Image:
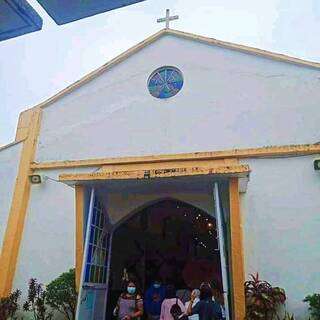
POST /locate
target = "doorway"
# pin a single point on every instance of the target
(181, 240)
(169, 240)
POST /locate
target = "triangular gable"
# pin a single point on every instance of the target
(181, 34)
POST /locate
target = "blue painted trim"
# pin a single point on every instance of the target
(26, 13)
(73, 10)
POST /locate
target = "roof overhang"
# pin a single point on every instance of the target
(72, 10)
(17, 17)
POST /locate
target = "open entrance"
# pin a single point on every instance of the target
(168, 240)
(178, 234)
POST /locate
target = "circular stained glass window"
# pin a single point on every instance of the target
(165, 82)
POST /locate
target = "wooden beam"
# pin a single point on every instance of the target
(25, 119)
(79, 194)
(19, 204)
(237, 258)
(155, 173)
(263, 152)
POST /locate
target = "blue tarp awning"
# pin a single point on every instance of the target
(64, 11)
(17, 17)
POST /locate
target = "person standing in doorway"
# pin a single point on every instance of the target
(130, 304)
(196, 294)
(206, 308)
(153, 299)
(169, 303)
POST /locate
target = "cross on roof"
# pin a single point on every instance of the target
(167, 18)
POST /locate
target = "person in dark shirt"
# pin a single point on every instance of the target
(153, 300)
(206, 308)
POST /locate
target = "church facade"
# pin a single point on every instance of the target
(228, 129)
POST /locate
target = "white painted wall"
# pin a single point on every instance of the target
(281, 223)
(229, 100)
(48, 241)
(9, 165)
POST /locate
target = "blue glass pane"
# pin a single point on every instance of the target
(94, 215)
(92, 273)
(165, 82)
(87, 273)
(89, 254)
(91, 235)
(102, 220)
(97, 255)
(98, 221)
(100, 274)
(96, 236)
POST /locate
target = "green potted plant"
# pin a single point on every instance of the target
(262, 299)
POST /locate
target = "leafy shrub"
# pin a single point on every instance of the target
(9, 305)
(314, 305)
(62, 296)
(262, 300)
(287, 316)
(37, 301)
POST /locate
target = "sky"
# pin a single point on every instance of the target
(38, 65)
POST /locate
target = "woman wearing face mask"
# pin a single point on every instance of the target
(130, 304)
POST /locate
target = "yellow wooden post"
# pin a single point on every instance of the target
(237, 259)
(79, 193)
(19, 204)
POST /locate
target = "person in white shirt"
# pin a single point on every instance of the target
(196, 293)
